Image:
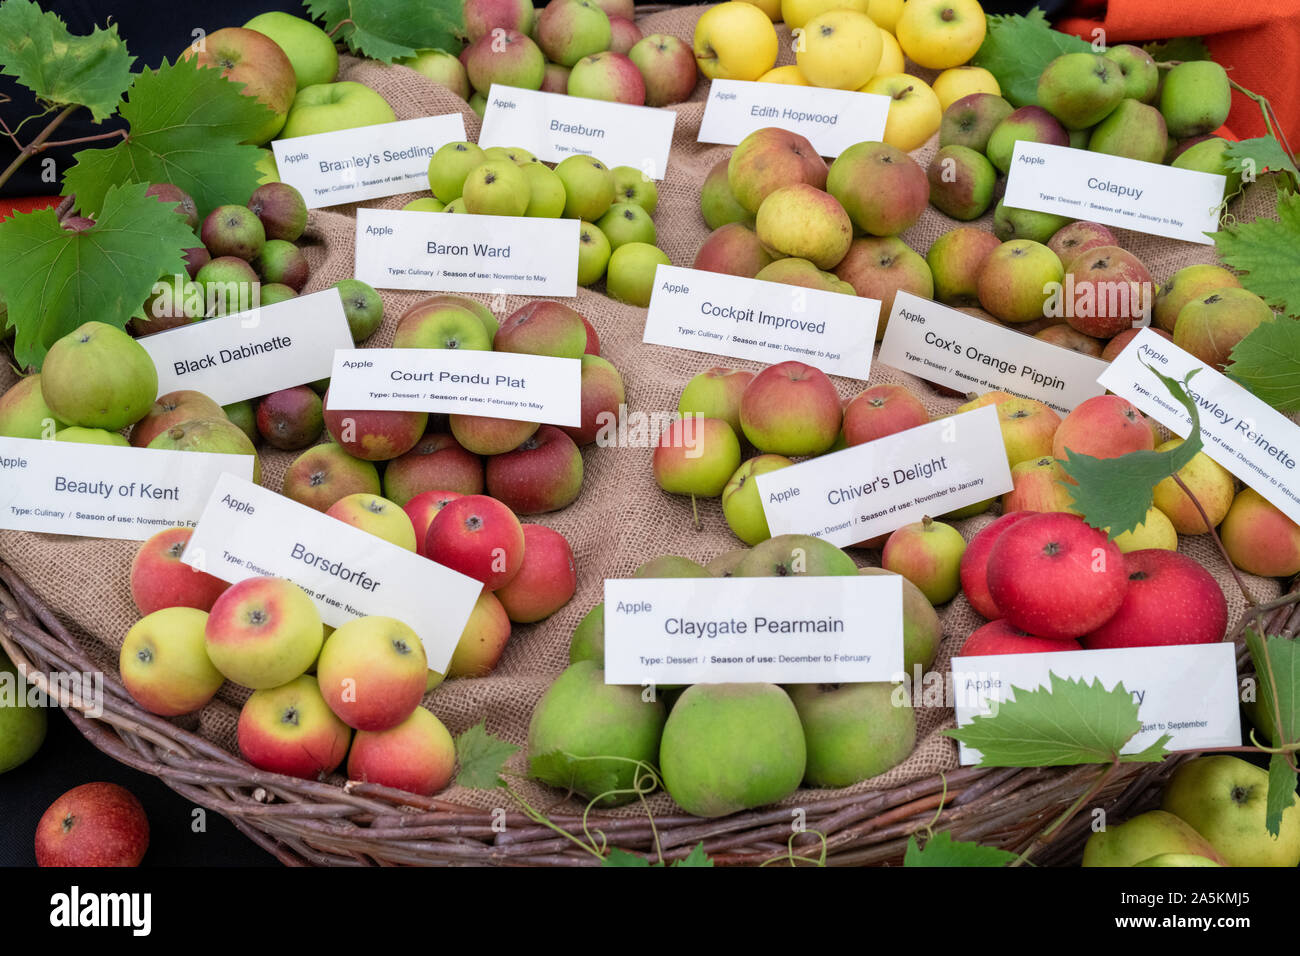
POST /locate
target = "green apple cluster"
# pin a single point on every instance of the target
(617, 235)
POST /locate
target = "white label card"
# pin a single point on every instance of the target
(247, 531)
(1249, 437)
(1188, 691)
(867, 490)
(795, 630)
(350, 165)
(942, 345)
(106, 491)
(532, 388)
(1115, 191)
(764, 321)
(832, 120)
(510, 255)
(554, 127)
(252, 353)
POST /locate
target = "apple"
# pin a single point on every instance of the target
(1211, 326)
(1033, 124)
(1062, 336)
(1225, 799)
(1132, 130)
(914, 110)
(588, 641)
(588, 183)
(958, 82)
(95, 824)
(970, 120)
(928, 553)
(955, 259)
(229, 285)
(853, 732)
(1016, 279)
(999, 637)
(940, 34)
(1170, 599)
(556, 79)
(1259, 538)
(167, 192)
(159, 579)
(735, 41)
(1038, 484)
(1104, 426)
(961, 182)
(1080, 89)
(696, 456)
(91, 436)
(568, 30)
(496, 188)
(626, 222)
(882, 410)
(281, 263)
(217, 435)
(791, 409)
(291, 730)
(1195, 98)
(624, 34)
(787, 555)
(22, 728)
(257, 61)
(422, 508)
(1010, 223)
(1186, 285)
(1112, 292)
(1054, 576)
(418, 755)
(171, 409)
(372, 672)
(484, 16)
(326, 473)
(23, 412)
(1028, 427)
(97, 376)
(233, 231)
(671, 566)
(630, 275)
(631, 185)
(436, 462)
(718, 205)
(291, 418)
(667, 65)
(593, 254)
(326, 107)
(442, 323)
(1155, 531)
(973, 569)
(1150, 834)
(546, 580)
(477, 536)
(609, 76)
(375, 515)
(281, 210)
(374, 434)
(164, 665)
(801, 272)
(716, 393)
(263, 632)
(481, 435)
(1072, 240)
(741, 504)
(544, 473)
(766, 160)
(310, 49)
(731, 747)
(1210, 482)
(732, 249)
(922, 630)
(1141, 75)
(580, 719)
(883, 190)
(449, 166)
(505, 58)
(878, 268)
(1121, 341)
(804, 222)
(545, 192)
(841, 50)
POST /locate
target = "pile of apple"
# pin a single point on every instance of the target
(721, 748)
(616, 237)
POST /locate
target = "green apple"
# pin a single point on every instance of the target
(1209, 156)
(593, 253)
(1195, 98)
(1144, 836)
(326, 107)
(670, 566)
(716, 393)
(545, 191)
(363, 307)
(789, 555)
(443, 68)
(1178, 859)
(1009, 223)
(449, 166)
(1081, 89)
(425, 204)
(718, 204)
(588, 187)
(244, 417)
(309, 48)
(741, 503)
(632, 185)
(853, 731)
(922, 631)
(99, 377)
(1225, 799)
(164, 663)
(630, 275)
(91, 436)
(516, 155)
(496, 188)
(22, 728)
(627, 222)
(217, 435)
(927, 553)
(696, 456)
(457, 206)
(24, 414)
(1133, 130)
(1141, 75)
(588, 641)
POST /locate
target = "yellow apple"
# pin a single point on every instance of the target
(796, 13)
(771, 7)
(735, 41)
(914, 114)
(839, 50)
(1155, 531)
(886, 14)
(891, 54)
(952, 85)
(1209, 481)
(789, 75)
(938, 34)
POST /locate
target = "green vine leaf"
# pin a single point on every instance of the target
(1281, 792)
(942, 850)
(621, 858)
(1017, 48)
(1277, 675)
(389, 30)
(1071, 723)
(1115, 494)
(103, 273)
(697, 858)
(481, 757)
(187, 126)
(37, 50)
(1254, 157)
(1178, 49)
(1267, 253)
(1267, 361)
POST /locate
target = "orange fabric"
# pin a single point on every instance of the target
(1257, 41)
(25, 204)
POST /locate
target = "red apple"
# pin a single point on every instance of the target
(418, 755)
(374, 435)
(1170, 600)
(322, 475)
(437, 462)
(975, 564)
(791, 409)
(477, 536)
(95, 824)
(543, 327)
(999, 637)
(421, 510)
(291, 730)
(1104, 426)
(882, 410)
(546, 579)
(542, 474)
(159, 579)
(602, 395)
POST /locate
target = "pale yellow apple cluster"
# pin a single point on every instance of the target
(861, 45)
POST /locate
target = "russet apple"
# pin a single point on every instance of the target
(291, 730)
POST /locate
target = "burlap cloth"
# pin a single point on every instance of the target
(621, 518)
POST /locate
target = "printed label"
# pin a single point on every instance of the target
(832, 120)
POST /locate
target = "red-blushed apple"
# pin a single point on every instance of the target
(172, 409)
(418, 755)
(263, 632)
(556, 79)
(883, 189)
(95, 824)
(281, 209)
(769, 159)
(928, 553)
(602, 396)
(1211, 326)
(477, 536)
(1113, 291)
(543, 474)
(372, 672)
(543, 327)
(1104, 426)
(1170, 600)
(1260, 538)
(375, 515)
(878, 268)
(568, 30)
(164, 664)
(624, 34)
(291, 418)
(546, 580)
(804, 222)
(609, 76)
(715, 393)
(1121, 341)
(421, 510)
(375, 435)
(482, 16)
(1016, 279)
(999, 637)
(1038, 484)
(23, 412)
(593, 339)
(436, 463)
(733, 249)
(791, 409)
(1065, 337)
(444, 322)
(741, 504)
(1054, 576)
(325, 474)
(483, 435)
(975, 564)
(667, 64)
(882, 410)
(955, 259)
(291, 730)
(504, 58)
(185, 208)
(256, 61)
(696, 456)
(159, 579)
(1074, 239)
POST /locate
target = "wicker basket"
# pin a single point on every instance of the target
(305, 822)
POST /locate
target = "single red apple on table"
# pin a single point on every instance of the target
(437, 462)
(477, 536)
(418, 755)
(159, 579)
(372, 672)
(1054, 576)
(1170, 599)
(291, 730)
(999, 637)
(95, 824)
(975, 564)
(542, 474)
(546, 579)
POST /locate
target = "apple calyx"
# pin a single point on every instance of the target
(68, 823)
(1240, 795)
(948, 15)
(257, 617)
(290, 716)
(144, 655)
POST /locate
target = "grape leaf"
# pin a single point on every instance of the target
(1253, 157)
(1177, 49)
(1115, 494)
(481, 757)
(1267, 252)
(621, 858)
(103, 273)
(1072, 723)
(697, 858)
(1281, 792)
(1267, 361)
(1277, 675)
(942, 850)
(187, 124)
(1017, 48)
(37, 50)
(388, 30)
